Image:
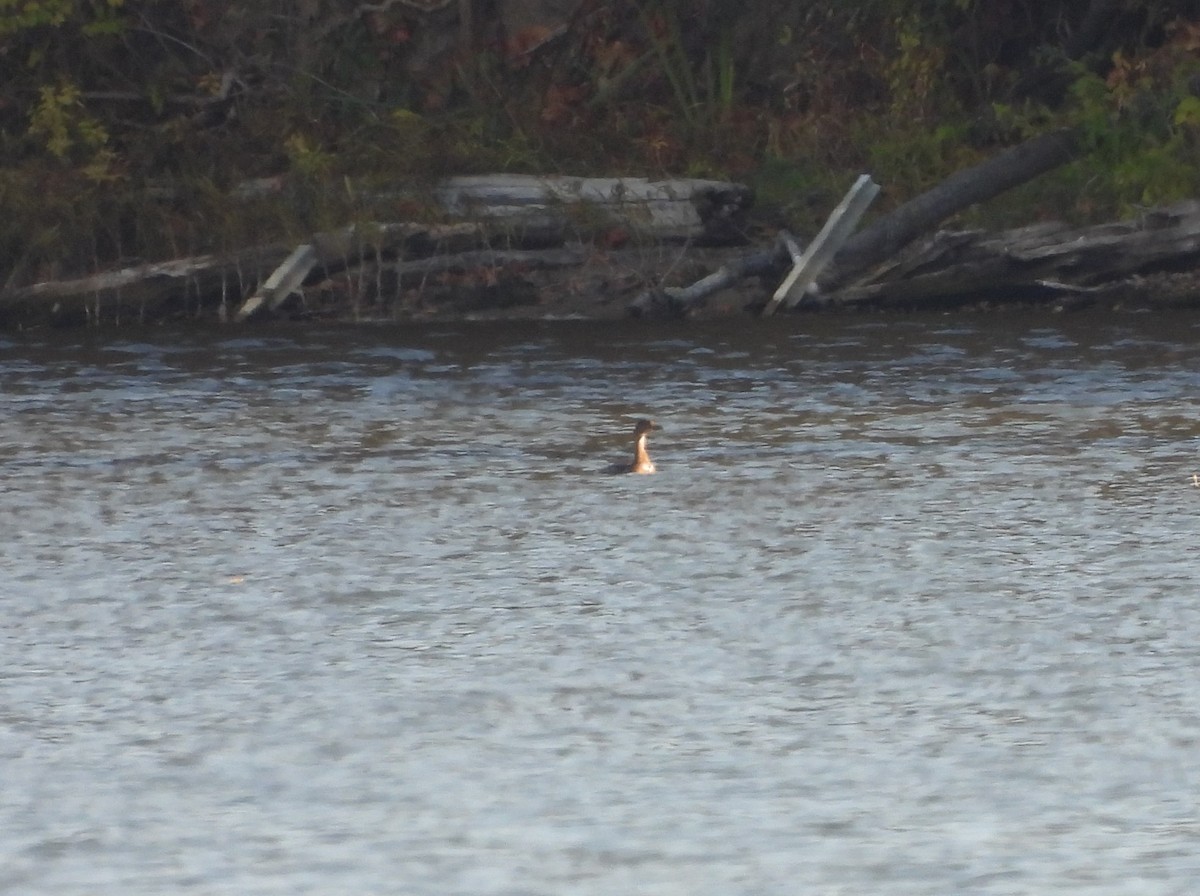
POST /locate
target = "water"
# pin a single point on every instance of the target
(912, 607)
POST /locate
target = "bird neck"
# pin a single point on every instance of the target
(641, 458)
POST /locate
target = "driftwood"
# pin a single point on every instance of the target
(347, 248)
(409, 268)
(891, 233)
(495, 213)
(140, 292)
(1040, 261)
(1049, 261)
(189, 285)
(888, 235)
(676, 302)
(703, 212)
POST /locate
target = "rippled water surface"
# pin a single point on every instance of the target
(913, 607)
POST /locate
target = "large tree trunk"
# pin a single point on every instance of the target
(891, 233)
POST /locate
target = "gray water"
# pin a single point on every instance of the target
(913, 607)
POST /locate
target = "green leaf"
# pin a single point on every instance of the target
(1188, 111)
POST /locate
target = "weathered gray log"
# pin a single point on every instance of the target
(351, 246)
(891, 233)
(677, 302)
(888, 235)
(1043, 259)
(510, 209)
(540, 210)
(205, 281)
(141, 291)
(700, 211)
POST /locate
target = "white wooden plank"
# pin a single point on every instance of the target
(820, 251)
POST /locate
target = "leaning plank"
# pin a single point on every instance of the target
(703, 211)
(828, 241)
(284, 280)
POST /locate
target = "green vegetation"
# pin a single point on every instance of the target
(157, 128)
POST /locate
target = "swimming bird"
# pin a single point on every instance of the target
(641, 459)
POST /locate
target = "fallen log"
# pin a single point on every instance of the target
(188, 286)
(503, 211)
(888, 235)
(807, 263)
(1048, 262)
(351, 246)
(140, 293)
(1040, 261)
(474, 283)
(533, 211)
(536, 207)
(668, 303)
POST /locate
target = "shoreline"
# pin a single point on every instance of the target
(601, 287)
